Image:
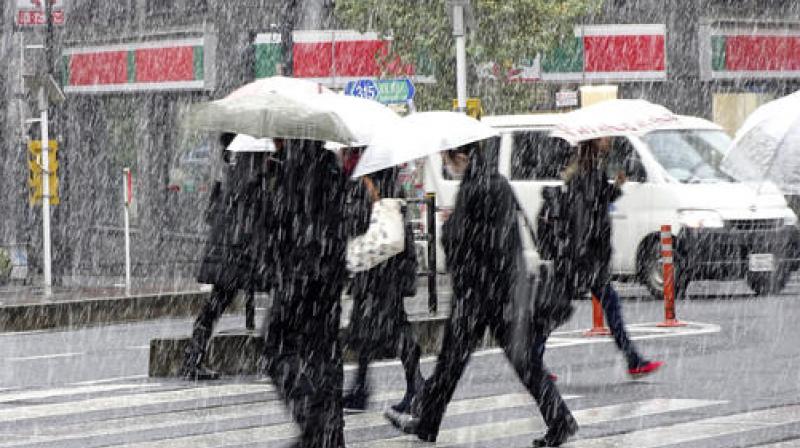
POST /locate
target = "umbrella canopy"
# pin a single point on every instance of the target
(613, 118)
(246, 143)
(279, 84)
(294, 109)
(767, 146)
(420, 135)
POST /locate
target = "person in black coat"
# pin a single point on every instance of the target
(379, 326)
(229, 263)
(302, 349)
(587, 255)
(483, 252)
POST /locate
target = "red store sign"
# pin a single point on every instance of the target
(31, 12)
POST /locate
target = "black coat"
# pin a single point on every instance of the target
(311, 226)
(590, 195)
(379, 315)
(481, 238)
(234, 209)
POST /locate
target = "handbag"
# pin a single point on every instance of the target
(541, 296)
(384, 238)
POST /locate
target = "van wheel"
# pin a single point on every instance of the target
(649, 269)
(765, 283)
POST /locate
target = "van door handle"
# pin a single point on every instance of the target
(618, 216)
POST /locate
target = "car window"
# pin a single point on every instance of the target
(537, 156)
(623, 157)
(490, 149)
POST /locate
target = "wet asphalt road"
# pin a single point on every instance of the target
(739, 386)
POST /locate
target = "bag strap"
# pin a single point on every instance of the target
(525, 220)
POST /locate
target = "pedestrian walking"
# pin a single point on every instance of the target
(587, 252)
(302, 347)
(483, 251)
(379, 326)
(229, 263)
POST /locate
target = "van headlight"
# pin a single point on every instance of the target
(701, 219)
(790, 219)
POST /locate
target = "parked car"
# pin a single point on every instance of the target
(724, 229)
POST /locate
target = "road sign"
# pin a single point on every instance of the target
(567, 98)
(31, 12)
(386, 91)
(392, 91)
(364, 88)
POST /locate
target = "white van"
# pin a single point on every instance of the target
(724, 229)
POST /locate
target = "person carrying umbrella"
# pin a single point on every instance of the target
(586, 258)
(379, 325)
(235, 206)
(483, 249)
(302, 348)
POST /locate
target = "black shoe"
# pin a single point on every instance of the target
(404, 407)
(558, 434)
(356, 400)
(408, 424)
(199, 373)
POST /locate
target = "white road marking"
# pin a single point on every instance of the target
(787, 444)
(128, 401)
(65, 391)
(111, 380)
(575, 337)
(138, 347)
(50, 356)
(160, 421)
(521, 427)
(358, 421)
(696, 430)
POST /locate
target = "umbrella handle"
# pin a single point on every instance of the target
(373, 190)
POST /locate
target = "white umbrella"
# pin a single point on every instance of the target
(280, 84)
(291, 109)
(767, 146)
(613, 118)
(246, 143)
(420, 135)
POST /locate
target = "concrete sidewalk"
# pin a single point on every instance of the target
(27, 308)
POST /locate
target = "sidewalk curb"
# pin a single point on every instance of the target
(106, 310)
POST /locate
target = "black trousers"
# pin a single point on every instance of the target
(473, 312)
(216, 304)
(304, 359)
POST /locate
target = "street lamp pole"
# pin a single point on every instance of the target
(459, 32)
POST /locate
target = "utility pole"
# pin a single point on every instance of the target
(287, 25)
(459, 32)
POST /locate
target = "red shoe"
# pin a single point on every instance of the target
(645, 369)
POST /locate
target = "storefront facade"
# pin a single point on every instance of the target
(131, 69)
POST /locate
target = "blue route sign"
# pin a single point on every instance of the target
(386, 91)
(364, 88)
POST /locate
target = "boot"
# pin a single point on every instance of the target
(558, 434)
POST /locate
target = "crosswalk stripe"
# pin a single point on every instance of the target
(697, 430)
(128, 401)
(66, 391)
(521, 427)
(787, 444)
(359, 421)
(119, 426)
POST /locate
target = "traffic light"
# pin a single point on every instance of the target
(474, 108)
(35, 172)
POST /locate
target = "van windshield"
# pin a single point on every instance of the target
(690, 155)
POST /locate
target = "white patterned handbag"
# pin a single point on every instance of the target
(384, 238)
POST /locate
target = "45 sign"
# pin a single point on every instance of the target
(364, 88)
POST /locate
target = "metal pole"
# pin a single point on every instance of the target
(126, 187)
(433, 299)
(47, 256)
(461, 57)
(250, 309)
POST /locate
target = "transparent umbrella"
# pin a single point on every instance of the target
(420, 135)
(613, 118)
(767, 146)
